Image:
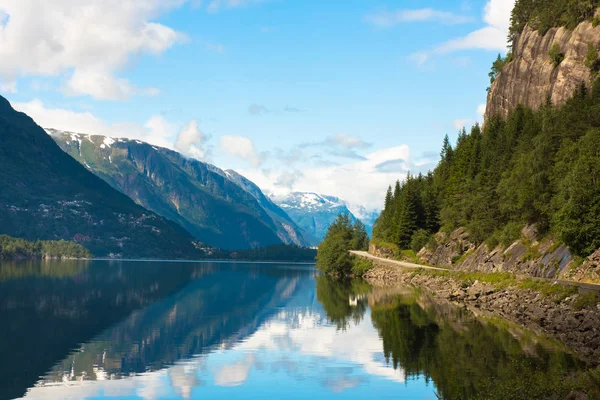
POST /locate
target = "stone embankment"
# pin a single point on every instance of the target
(571, 319)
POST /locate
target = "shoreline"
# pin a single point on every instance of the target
(560, 315)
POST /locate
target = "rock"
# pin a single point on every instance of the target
(531, 77)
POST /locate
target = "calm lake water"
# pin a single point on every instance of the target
(167, 330)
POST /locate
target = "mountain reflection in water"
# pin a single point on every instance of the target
(167, 330)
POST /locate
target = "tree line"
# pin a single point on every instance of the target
(538, 167)
(16, 248)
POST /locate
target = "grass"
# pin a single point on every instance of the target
(462, 258)
(555, 290)
(361, 266)
(587, 300)
(500, 281)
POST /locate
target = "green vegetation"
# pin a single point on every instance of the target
(47, 195)
(543, 15)
(475, 359)
(336, 294)
(14, 248)
(333, 256)
(276, 252)
(497, 67)
(592, 61)
(533, 167)
(556, 55)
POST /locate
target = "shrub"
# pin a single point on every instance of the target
(419, 240)
(591, 60)
(556, 55)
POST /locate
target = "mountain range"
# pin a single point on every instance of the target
(48, 195)
(314, 212)
(220, 208)
(127, 198)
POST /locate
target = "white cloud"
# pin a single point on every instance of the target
(191, 142)
(458, 124)
(157, 131)
(240, 147)
(8, 86)
(360, 182)
(481, 111)
(85, 40)
(491, 37)
(386, 19)
(347, 141)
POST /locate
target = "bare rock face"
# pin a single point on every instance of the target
(589, 271)
(530, 255)
(532, 76)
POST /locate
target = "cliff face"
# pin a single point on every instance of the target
(532, 255)
(532, 76)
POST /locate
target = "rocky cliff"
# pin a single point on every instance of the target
(532, 76)
(532, 255)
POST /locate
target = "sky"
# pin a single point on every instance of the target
(337, 98)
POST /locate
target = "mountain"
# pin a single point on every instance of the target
(312, 212)
(198, 196)
(48, 195)
(287, 230)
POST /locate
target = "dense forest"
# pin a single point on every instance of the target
(14, 248)
(538, 167)
(276, 252)
(545, 14)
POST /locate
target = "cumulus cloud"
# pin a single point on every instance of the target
(157, 131)
(387, 19)
(192, 142)
(458, 124)
(241, 147)
(493, 36)
(287, 179)
(372, 175)
(481, 111)
(87, 41)
(8, 86)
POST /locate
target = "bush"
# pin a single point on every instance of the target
(361, 266)
(556, 55)
(419, 240)
(592, 61)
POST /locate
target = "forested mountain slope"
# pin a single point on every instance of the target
(47, 195)
(198, 196)
(535, 165)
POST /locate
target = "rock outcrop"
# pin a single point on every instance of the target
(589, 271)
(532, 77)
(531, 255)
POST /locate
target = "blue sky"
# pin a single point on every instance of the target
(339, 98)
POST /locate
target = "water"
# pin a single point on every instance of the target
(166, 330)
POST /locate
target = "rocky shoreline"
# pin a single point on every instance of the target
(563, 319)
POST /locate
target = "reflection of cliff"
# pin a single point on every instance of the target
(461, 354)
(216, 310)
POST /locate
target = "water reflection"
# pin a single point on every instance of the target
(212, 330)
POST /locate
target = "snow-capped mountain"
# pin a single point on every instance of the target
(315, 212)
(217, 207)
